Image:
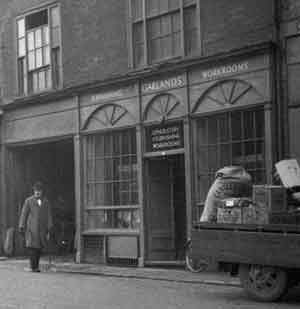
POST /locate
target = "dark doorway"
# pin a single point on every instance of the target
(53, 164)
(166, 208)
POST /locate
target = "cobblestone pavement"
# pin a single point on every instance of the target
(19, 289)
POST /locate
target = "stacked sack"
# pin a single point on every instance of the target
(230, 182)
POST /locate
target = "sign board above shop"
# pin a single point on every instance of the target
(109, 95)
(164, 84)
(164, 137)
(228, 69)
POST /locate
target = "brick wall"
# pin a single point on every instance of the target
(94, 34)
(227, 25)
(94, 37)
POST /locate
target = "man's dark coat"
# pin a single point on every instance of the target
(36, 220)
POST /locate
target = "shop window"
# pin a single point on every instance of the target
(38, 37)
(231, 138)
(163, 29)
(111, 181)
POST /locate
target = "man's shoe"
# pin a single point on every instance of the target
(28, 269)
(36, 270)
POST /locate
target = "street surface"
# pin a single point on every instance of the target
(19, 289)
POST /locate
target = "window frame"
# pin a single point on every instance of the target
(25, 91)
(117, 208)
(144, 21)
(199, 203)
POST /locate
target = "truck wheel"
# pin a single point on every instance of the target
(263, 283)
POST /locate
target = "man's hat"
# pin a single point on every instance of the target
(38, 186)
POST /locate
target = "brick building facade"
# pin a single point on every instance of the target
(127, 108)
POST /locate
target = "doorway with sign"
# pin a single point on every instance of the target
(165, 208)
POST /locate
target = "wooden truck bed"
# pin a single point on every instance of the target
(272, 245)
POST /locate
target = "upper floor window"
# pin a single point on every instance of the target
(38, 36)
(163, 29)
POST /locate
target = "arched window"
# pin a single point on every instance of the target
(105, 116)
(226, 94)
(162, 107)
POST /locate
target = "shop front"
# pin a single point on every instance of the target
(151, 149)
(232, 119)
(133, 161)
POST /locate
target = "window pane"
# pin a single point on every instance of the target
(22, 48)
(38, 55)
(139, 55)
(260, 123)
(138, 44)
(123, 219)
(152, 6)
(190, 30)
(31, 60)
(236, 124)
(174, 4)
(249, 125)
(224, 128)
(30, 40)
(188, 2)
(138, 33)
(166, 25)
(21, 27)
(37, 19)
(21, 75)
(212, 130)
(42, 80)
(100, 195)
(154, 28)
(55, 67)
(45, 35)
(137, 8)
(175, 22)
(48, 79)
(55, 17)
(38, 38)
(46, 55)
(35, 82)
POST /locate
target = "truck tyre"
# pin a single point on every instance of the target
(263, 283)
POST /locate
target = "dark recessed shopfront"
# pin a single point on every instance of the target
(53, 164)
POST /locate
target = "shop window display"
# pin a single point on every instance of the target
(111, 186)
(231, 138)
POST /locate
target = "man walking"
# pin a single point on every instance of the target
(36, 223)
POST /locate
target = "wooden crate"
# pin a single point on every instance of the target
(240, 211)
(269, 199)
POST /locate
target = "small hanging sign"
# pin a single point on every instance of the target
(164, 137)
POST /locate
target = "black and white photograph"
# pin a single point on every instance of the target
(149, 154)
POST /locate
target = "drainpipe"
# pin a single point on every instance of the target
(280, 83)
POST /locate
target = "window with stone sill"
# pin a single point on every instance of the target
(38, 55)
(163, 29)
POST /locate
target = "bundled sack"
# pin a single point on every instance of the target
(231, 181)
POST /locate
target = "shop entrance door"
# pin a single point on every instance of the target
(166, 210)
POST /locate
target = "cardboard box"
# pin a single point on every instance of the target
(268, 199)
(289, 172)
(239, 212)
